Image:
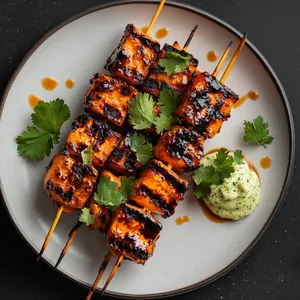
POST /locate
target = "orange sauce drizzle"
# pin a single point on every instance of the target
(212, 56)
(181, 220)
(33, 100)
(144, 29)
(253, 95)
(49, 83)
(266, 162)
(69, 83)
(210, 215)
(161, 33)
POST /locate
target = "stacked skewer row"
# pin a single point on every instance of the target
(132, 230)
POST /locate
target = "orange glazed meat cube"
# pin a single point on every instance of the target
(133, 57)
(94, 133)
(133, 233)
(205, 104)
(180, 147)
(123, 160)
(159, 189)
(158, 80)
(69, 182)
(109, 98)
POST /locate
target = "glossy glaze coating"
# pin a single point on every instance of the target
(133, 57)
(109, 98)
(123, 160)
(158, 80)
(69, 182)
(87, 132)
(133, 233)
(159, 189)
(205, 104)
(180, 147)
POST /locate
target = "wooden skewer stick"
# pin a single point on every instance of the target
(160, 7)
(72, 235)
(234, 58)
(52, 228)
(220, 63)
(190, 38)
(112, 273)
(100, 273)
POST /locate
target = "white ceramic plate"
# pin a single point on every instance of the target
(186, 256)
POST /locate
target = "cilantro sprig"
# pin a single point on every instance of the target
(86, 217)
(37, 141)
(174, 63)
(257, 132)
(110, 195)
(141, 111)
(87, 155)
(221, 168)
(142, 148)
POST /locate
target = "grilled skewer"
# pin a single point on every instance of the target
(212, 132)
(68, 183)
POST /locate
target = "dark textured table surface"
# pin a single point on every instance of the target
(272, 270)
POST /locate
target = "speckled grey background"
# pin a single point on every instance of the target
(272, 270)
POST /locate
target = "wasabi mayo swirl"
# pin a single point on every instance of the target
(239, 194)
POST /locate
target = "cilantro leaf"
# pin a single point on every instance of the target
(168, 100)
(50, 116)
(202, 191)
(86, 216)
(127, 187)
(174, 63)
(37, 141)
(34, 144)
(257, 131)
(206, 175)
(142, 148)
(141, 111)
(222, 168)
(87, 155)
(224, 163)
(109, 194)
(163, 122)
(238, 157)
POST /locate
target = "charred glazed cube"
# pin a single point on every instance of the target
(102, 214)
(180, 147)
(133, 233)
(123, 160)
(158, 80)
(133, 57)
(205, 104)
(89, 132)
(69, 182)
(109, 98)
(159, 189)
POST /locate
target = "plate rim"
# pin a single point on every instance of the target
(290, 124)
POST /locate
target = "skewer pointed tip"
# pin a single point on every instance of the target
(49, 234)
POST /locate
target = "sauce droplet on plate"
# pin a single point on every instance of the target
(33, 100)
(181, 220)
(69, 83)
(212, 56)
(144, 29)
(49, 83)
(266, 162)
(210, 215)
(161, 33)
(253, 95)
